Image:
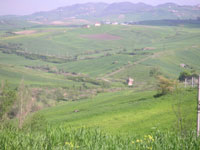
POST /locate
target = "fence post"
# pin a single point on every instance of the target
(192, 81)
(185, 82)
(198, 108)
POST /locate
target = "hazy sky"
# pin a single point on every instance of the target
(22, 7)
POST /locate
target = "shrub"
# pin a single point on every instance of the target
(184, 74)
(36, 122)
(165, 85)
(154, 72)
(7, 98)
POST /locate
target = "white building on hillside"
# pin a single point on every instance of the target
(97, 25)
(115, 23)
(130, 81)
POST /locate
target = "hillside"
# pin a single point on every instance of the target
(64, 80)
(128, 112)
(104, 51)
(121, 12)
(61, 64)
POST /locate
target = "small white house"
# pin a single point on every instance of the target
(130, 81)
(115, 23)
(107, 22)
(97, 25)
(182, 65)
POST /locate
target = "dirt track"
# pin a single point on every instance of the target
(130, 65)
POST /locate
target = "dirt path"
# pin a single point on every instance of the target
(130, 65)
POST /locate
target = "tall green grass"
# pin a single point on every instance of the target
(64, 138)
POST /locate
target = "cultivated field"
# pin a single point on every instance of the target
(83, 73)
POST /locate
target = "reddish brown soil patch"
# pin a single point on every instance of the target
(103, 36)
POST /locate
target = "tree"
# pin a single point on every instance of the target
(185, 74)
(154, 72)
(7, 99)
(165, 85)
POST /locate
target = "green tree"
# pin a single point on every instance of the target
(165, 85)
(7, 99)
(185, 74)
(154, 72)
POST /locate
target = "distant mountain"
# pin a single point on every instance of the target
(126, 8)
(124, 11)
(77, 10)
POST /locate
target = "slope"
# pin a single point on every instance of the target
(128, 112)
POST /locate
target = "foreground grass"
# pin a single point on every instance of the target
(63, 138)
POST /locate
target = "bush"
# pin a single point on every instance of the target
(185, 74)
(165, 85)
(154, 72)
(36, 122)
(7, 98)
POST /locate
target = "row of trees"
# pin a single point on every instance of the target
(187, 75)
(165, 85)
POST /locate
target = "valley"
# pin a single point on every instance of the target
(74, 77)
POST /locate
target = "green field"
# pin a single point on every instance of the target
(128, 112)
(169, 47)
(84, 71)
(123, 120)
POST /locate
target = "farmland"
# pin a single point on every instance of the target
(88, 50)
(78, 77)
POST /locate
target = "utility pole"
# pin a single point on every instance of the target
(198, 108)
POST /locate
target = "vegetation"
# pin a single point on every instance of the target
(36, 133)
(187, 75)
(90, 139)
(155, 72)
(129, 112)
(84, 79)
(165, 85)
(7, 99)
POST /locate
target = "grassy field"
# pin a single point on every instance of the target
(111, 48)
(128, 112)
(123, 120)
(84, 71)
(63, 138)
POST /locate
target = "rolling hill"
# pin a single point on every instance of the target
(76, 76)
(128, 112)
(78, 63)
(121, 12)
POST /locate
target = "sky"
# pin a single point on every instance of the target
(25, 7)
